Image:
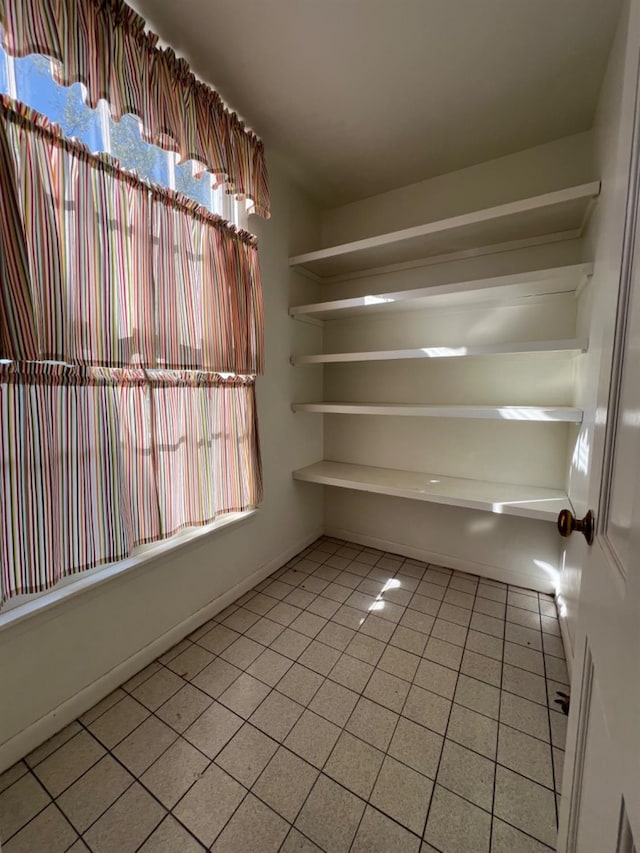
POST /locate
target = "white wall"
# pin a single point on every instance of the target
(47, 661)
(514, 549)
(596, 314)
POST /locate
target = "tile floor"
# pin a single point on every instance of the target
(354, 701)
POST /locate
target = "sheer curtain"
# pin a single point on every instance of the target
(142, 298)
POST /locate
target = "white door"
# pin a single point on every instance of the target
(600, 811)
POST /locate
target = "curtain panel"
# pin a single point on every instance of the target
(97, 461)
(98, 268)
(104, 45)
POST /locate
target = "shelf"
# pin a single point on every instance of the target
(562, 212)
(565, 279)
(571, 346)
(557, 414)
(506, 499)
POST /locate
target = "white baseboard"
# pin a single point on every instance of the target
(530, 580)
(37, 733)
(566, 642)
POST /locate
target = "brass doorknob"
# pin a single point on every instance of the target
(567, 523)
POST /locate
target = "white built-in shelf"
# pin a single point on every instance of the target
(564, 279)
(503, 498)
(563, 212)
(558, 414)
(570, 346)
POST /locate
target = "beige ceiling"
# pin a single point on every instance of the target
(362, 96)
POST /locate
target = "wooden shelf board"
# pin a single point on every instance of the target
(554, 280)
(524, 501)
(571, 346)
(557, 414)
(562, 211)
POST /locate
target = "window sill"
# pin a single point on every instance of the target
(14, 613)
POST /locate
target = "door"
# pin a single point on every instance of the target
(600, 810)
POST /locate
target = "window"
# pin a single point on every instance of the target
(130, 337)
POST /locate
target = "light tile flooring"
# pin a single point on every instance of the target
(354, 701)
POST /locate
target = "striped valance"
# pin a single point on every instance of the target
(98, 268)
(104, 44)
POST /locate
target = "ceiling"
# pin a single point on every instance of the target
(362, 96)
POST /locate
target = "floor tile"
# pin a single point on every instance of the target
(487, 625)
(485, 644)
(213, 729)
(457, 826)
(553, 646)
(467, 774)
(365, 648)
(523, 683)
(526, 755)
(336, 636)
(444, 653)
(127, 823)
(264, 631)
(492, 592)
(417, 621)
(408, 640)
(558, 723)
(242, 652)
(378, 834)
(189, 662)
(12, 775)
(387, 690)
(209, 804)
(459, 598)
(450, 632)
(524, 715)
(277, 715)
(215, 678)
(308, 624)
(156, 690)
(290, 643)
(93, 713)
(67, 763)
(171, 776)
(523, 657)
(349, 617)
(389, 611)
(556, 669)
(244, 695)
(285, 783)
(330, 816)
(481, 668)
(53, 743)
(334, 702)
(427, 708)
(269, 667)
(262, 604)
(300, 684)
(508, 839)
(119, 721)
(355, 764)
(436, 678)
(525, 602)
(49, 832)
(473, 730)
(379, 629)
(296, 842)
(423, 604)
(170, 837)
(94, 792)
(490, 608)
(372, 723)
(524, 618)
(523, 636)
(184, 707)
(254, 828)
(416, 746)
(399, 663)
(141, 748)
(319, 658)
(242, 619)
(336, 592)
(218, 639)
(478, 696)
(283, 613)
(558, 768)
(19, 803)
(142, 676)
(525, 805)
(312, 738)
(247, 754)
(351, 673)
(403, 794)
(324, 607)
